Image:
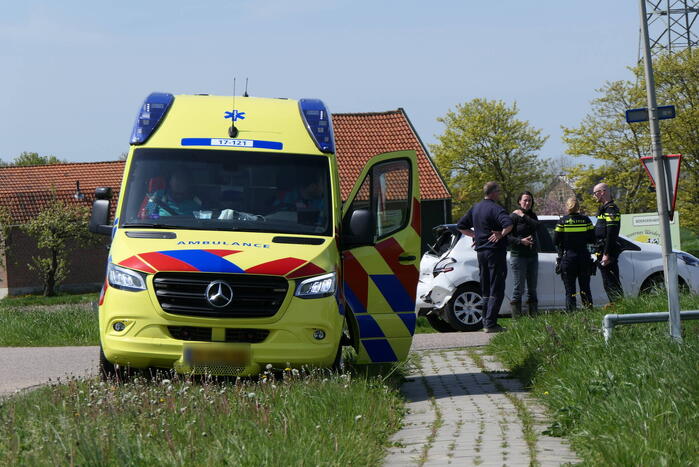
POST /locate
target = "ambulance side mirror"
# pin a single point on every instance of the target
(99, 220)
(358, 230)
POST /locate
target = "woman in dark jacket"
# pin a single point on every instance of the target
(524, 255)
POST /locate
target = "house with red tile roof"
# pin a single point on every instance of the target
(24, 191)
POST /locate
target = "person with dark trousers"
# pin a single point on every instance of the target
(607, 233)
(524, 257)
(573, 234)
(488, 224)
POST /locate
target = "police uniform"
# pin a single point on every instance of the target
(572, 235)
(606, 233)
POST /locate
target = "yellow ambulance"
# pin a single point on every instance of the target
(232, 250)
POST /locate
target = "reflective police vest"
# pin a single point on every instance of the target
(607, 229)
(573, 233)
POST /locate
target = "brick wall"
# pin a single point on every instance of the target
(86, 267)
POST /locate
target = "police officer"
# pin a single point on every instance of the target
(607, 232)
(491, 224)
(572, 235)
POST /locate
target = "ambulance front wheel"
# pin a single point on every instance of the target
(111, 372)
(339, 362)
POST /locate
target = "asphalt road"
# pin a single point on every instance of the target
(26, 367)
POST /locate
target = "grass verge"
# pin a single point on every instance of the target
(40, 300)
(632, 402)
(306, 419)
(68, 325)
(423, 326)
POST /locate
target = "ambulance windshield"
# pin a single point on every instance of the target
(228, 190)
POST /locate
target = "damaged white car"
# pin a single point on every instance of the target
(449, 293)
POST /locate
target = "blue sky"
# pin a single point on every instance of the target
(75, 72)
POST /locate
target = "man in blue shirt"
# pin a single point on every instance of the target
(488, 224)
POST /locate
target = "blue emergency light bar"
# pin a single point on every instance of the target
(318, 123)
(150, 115)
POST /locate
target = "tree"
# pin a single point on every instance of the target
(484, 141)
(33, 158)
(605, 135)
(58, 229)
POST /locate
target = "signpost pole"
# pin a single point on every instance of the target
(661, 170)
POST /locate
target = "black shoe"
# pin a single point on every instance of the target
(496, 328)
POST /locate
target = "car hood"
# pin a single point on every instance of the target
(292, 256)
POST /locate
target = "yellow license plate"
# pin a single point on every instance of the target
(211, 354)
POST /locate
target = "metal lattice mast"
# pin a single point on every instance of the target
(672, 25)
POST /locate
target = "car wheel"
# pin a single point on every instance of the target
(438, 324)
(464, 312)
(339, 363)
(655, 284)
(111, 372)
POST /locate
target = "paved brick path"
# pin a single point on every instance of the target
(459, 414)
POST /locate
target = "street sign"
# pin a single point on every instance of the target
(672, 174)
(641, 115)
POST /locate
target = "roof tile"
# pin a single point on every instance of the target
(358, 137)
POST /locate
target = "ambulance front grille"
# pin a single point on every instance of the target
(253, 296)
(202, 334)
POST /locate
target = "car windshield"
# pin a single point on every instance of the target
(228, 190)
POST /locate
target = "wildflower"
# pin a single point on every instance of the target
(165, 382)
(268, 366)
(251, 395)
(183, 409)
(317, 427)
(357, 418)
(546, 393)
(295, 372)
(287, 369)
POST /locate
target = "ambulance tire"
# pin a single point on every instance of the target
(438, 324)
(464, 311)
(111, 372)
(339, 363)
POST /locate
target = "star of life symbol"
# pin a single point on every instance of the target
(235, 115)
(219, 294)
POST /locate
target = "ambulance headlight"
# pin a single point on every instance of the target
(126, 279)
(316, 287)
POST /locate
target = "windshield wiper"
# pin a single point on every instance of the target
(150, 225)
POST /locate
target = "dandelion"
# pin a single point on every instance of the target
(287, 369)
(546, 393)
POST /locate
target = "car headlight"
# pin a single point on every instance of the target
(316, 287)
(688, 259)
(126, 279)
(444, 265)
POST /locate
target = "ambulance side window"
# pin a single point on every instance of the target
(384, 196)
(392, 189)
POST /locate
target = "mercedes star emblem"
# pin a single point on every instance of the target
(219, 294)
